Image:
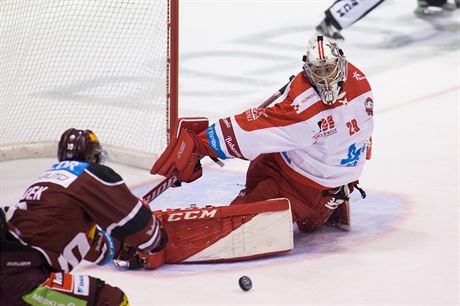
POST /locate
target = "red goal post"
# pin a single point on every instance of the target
(109, 66)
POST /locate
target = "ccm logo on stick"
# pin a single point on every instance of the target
(193, 214)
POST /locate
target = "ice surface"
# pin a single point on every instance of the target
(403, 248)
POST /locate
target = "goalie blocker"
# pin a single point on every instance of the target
(224, 233)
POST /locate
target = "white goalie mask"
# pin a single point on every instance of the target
(326, 69)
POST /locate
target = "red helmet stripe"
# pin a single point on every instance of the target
(320, 49)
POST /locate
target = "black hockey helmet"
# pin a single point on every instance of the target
(81, 145)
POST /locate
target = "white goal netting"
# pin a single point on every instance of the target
(88, 64)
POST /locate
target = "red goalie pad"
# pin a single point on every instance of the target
(225, 233)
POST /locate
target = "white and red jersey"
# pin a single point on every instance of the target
(316, 144)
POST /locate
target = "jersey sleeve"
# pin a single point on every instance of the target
(280, 128)
(113, 207)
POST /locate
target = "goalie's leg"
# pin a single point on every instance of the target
(262, 180)
(265, 180)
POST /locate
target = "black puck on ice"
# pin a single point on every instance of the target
(245, 283)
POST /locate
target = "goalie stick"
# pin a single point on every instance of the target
(172, 180)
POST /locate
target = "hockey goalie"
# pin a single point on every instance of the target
(217, 233)
(309, 149)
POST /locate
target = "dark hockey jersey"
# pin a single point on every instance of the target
(58, 213)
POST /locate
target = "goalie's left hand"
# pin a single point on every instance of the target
(182, 155)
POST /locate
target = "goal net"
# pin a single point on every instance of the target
(105, 65)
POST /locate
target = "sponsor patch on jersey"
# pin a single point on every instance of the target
(59, 177)
(60, 281)
(255, 113)
(81, 285)
(229, 137)
(305, 100)
(213, 141)
(369, 105)
(63, 173)
(353, 156)
(72, 166)
(46, 296)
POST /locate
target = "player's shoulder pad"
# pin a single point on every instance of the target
(104, 173)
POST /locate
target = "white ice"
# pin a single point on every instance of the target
(403, 248)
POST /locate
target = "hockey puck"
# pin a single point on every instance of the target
(245, 283)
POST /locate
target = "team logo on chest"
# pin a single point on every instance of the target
(326, 126)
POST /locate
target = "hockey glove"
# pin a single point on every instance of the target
(182, 155)
(103, 247)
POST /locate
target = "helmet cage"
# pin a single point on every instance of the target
(326, 69)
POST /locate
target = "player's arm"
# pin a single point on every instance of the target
(121, 215)
(104, 248)
(260, 131)
(280, 128)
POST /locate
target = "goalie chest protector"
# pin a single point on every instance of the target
(225, 233)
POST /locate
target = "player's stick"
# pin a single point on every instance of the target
(171, 180)
(276, 95)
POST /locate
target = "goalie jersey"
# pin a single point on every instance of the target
(58, 213)
(316, 144)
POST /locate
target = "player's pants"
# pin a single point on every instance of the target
(265, 180)
(344, 13)
(25, 279)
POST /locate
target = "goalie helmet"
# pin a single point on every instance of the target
(326, 69)
(81, 145)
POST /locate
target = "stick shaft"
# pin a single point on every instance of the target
(276, 95)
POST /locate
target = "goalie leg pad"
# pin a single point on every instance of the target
(226, 233)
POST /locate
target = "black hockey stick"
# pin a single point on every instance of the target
(276, 95)
(172, 179)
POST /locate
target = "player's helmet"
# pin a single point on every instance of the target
(326, 69)
(81, 145)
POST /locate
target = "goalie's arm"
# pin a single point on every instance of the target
(180, 161)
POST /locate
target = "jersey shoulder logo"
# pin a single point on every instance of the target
(369, 105)
(358, 76)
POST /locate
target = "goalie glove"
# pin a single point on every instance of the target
(182, 155)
